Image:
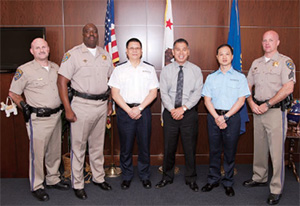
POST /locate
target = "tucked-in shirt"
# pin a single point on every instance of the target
(134, 83)
(225, 89)
(88, 74)
(38, 84)
(192, 84)
(269, 76)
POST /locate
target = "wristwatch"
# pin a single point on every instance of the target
(184, 108)
(140, 108)
(268, 104)
(225, 118)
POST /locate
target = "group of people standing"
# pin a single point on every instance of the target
(133, 85)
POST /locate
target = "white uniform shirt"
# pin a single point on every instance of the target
(134, 83)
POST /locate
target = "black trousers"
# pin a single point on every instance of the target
(226, 139)
(188, 129)
(128, 130)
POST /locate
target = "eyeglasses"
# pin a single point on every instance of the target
(134, 48)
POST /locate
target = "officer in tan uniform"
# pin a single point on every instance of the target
(37, 79)
(87, 67)
(273, 76)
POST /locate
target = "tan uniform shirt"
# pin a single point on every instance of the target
(269, 77)
(38, 84)
(88, 73)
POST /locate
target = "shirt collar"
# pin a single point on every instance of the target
(177, 65)
(230, 71)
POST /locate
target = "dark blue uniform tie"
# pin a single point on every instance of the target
(179, 90)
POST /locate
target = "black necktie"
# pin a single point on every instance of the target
(178, 98)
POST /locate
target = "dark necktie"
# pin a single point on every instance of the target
(178, 98)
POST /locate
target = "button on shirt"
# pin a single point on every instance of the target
(38, 84)
(225, 89)
(134, 83)
(192, 84)
(88, 73)
(269, 76)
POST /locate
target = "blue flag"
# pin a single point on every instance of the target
(234, 40)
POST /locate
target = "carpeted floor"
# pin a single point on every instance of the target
(16, 192)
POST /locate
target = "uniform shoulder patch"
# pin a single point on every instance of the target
(148, 63)
(18, 74)
(290, 64)
(121, 63)
(66, 57)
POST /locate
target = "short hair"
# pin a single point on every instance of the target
(133, 40)
(223, 45)
(181, 40)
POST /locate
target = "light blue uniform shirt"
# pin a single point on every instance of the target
(225, 89)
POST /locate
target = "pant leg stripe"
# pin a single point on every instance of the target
(282, 162)
(71, 156)
(32, 155)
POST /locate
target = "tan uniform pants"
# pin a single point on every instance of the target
(269, 136)
(45, 142)
(89, 127)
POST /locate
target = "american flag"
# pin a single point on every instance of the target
(110, 43)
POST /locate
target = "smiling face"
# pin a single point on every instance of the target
(90, 35)
(40, 49)
(134, 51)
(224, 56)
(181, 52)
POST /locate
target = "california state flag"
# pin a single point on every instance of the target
(169, 34)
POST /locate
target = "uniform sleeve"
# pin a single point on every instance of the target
(250, 78)
(154, 81)
(19, 82)
(114, 79)
(67, 66)
(288, 71)
(244, 89)
(206, 88)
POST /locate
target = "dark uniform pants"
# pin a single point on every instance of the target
(219, 139)
(128, 129)
(188, 128)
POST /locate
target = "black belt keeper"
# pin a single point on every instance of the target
(102, 97)
(133, 105)
(45, 112)
(221, 112)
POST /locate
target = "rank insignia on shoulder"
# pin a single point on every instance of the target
(290, 64)
(18, 74)
(275, 64)
(104, 57)
(66, 57)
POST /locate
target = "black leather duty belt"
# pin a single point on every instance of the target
(221, 112)
(278, 105)
(102, 97)
(133, 105)
(45, 112)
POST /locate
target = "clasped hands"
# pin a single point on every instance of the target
(177, 113)
(134, 113)
(261, 109)
(220, 121)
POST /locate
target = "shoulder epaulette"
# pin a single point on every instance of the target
(147, 63)
(121, 63)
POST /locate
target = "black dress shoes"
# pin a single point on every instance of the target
(273, 199)
(252, 183)
(163, 183)
(125, 184)
(60, 186)
(229, 191)
(80, 193)
(41, 195)
(103, 185)
(193, 186)
(208, 187)
(146, 184)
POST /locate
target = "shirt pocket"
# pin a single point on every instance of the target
(274, 75)
(39, 83)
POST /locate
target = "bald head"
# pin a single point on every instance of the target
(40, 49)
(270, 43)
